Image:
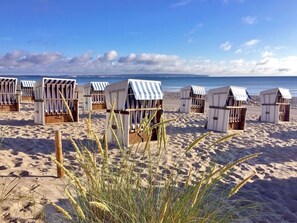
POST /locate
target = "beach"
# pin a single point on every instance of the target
(26, 151)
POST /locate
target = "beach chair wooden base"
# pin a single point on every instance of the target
(197, 110)
(98, 107)
(138, 137)
(57, 118)
(9, 108)
(62, 117)
(27, 99)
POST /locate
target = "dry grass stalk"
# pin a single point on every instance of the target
(115, 192)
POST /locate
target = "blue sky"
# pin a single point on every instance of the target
(217, 37)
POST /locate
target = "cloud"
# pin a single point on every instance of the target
(249, 20)
(195, 29)
(180, 3)
(238, 51)
(48, 63)
(263, 61)
(41, 59)
(226, 46)
(281, 70)
(84, 58)
(252, 42)
(111, 55)
(130, 58)
(149, 58)
(267, 54)
(280, 47)
(237, 62)
(249, 47)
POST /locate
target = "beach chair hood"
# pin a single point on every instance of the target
(269, 96)
(27, 84)
(98, 86)
(198, 90)
(142, 90)
(218, 96)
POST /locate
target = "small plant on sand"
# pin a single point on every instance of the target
(132, 188)
(6, 190)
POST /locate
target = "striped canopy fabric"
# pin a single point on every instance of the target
(53, 86)
(198, 90)
(240, 94)
(8, 85)
(7, 90)
(27, 84)
(59, 81)
(53, 100)
(285, 93)
(99, 86)
(146, 90)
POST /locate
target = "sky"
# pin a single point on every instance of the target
(206, 37)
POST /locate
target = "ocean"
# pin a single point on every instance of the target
(173, 83)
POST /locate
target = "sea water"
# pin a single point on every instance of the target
(173, 83)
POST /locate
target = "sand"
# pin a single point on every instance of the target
(26, 151)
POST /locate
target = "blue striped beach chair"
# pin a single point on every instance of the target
(94, 96)
(49, 106)
(9, 99)
(226, 111)
(275, 105)
(26, 90)
(132, 101)
(192, 99)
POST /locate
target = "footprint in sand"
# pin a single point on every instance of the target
(24, 173)
(3, 168)
(18, 164)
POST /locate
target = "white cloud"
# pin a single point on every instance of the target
(280, 47)
(249, 20)
(19, 62)
(226, 46)
(195, 29)
(130, 58)
(267, 54)
(237, 62)
(111, 55)
(180, 3)
(238, 51)
(83, 59)
(149, 58)
(252, 42)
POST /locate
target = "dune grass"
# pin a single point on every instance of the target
(132, 187)
(6, 190)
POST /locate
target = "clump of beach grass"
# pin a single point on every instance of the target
(6, 190)
(121, 190)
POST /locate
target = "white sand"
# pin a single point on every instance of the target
(26, 150)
